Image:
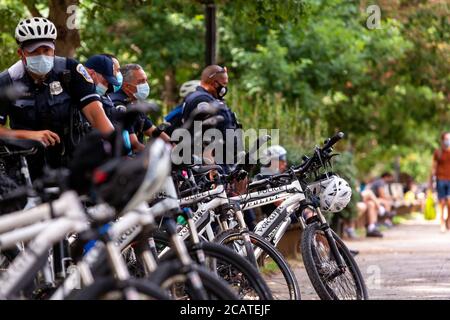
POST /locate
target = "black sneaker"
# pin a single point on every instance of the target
(374, 233)
(354, 252)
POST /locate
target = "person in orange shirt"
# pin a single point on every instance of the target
(441, 171)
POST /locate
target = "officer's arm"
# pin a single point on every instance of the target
(96, 116)
(47, 137)
(135, 144)
(163, 135)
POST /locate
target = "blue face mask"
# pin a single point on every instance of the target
(40, 65)
(101, 89)
(119, 78)
(142, 91)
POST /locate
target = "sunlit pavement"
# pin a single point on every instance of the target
(412, 261)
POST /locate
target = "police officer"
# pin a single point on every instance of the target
(212, 90)
(135, 88)
(105, 76)
(175, 117)
(56, 91)
(117, 73)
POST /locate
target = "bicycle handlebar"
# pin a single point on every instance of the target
(329, 143)
(333, 140)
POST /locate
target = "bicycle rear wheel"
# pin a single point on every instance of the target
(228, 265)
(171, 276)
(272, 266)
(323, 271)
(111, 289)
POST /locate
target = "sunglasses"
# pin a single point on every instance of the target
(224, 70)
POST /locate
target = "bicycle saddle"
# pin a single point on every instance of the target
(20, 145)
(202, 169)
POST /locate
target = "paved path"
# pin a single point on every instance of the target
(412, 261)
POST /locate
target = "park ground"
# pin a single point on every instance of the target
(411, 261)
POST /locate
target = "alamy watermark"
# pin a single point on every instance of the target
(222, 147)
(374, 19)
(73, 22)
(373, 279)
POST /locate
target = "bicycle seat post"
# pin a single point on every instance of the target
(25, 171)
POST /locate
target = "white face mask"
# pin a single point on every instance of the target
(40, 65)
(101, 89)
(142, 91)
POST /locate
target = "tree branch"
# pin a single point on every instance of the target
(31, 6)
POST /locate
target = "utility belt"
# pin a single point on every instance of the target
(70, 134)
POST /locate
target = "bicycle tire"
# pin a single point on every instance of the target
(104, 286)
(215, 287)
(230, 259)
(292, 292)
(313, 264)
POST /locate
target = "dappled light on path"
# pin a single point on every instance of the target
(412, 261)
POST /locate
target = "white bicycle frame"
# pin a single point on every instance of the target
(71, 218)
(272, 228)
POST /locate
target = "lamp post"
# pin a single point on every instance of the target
(210, 34)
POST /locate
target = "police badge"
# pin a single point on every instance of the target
(55, 88)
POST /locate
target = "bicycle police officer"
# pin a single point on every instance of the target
(135, 88)
(212, 90)
(101, 69)
(56, 89)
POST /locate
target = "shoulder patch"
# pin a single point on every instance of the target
(82, 70)
(203, 105)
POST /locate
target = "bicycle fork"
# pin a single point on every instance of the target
(325, 227)
(248, 246)
(199, 292)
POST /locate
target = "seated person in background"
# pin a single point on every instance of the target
(379, 188)
(372, 206)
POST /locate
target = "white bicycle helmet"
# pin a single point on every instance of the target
(335, 193)
(188, 87)
(275, 152)
(36, 28)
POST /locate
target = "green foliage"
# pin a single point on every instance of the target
(309, 68)
(10, 14)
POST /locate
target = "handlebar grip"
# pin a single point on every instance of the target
(333, 140)
(258, 183)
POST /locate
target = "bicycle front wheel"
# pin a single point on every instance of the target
(272, 266)
(329, 282)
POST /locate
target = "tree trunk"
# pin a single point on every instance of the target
(170, 88)
(63, 16)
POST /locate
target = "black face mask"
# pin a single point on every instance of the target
(221, 91)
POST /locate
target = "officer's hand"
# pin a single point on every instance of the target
(47, 137)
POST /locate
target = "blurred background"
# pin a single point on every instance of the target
(307, 67)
